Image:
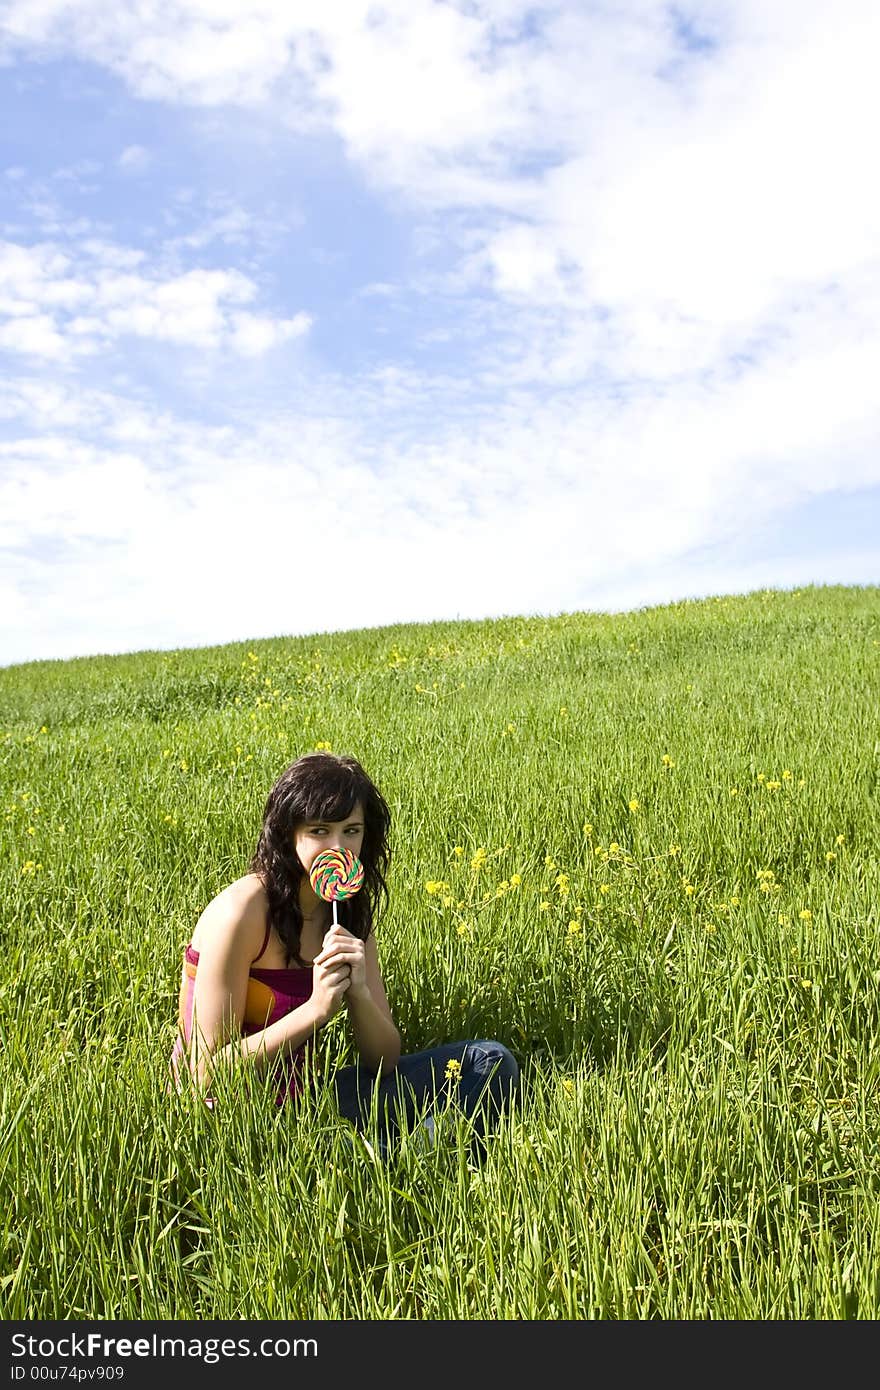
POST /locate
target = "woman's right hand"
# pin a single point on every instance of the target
(330, 981)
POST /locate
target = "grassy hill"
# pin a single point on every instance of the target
(639, 849)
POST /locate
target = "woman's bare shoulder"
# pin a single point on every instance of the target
(237, 912)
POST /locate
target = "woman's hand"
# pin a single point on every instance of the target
(331, 980)
(341, 949)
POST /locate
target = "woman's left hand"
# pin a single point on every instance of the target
(340, 945)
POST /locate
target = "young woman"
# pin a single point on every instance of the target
(266, 970)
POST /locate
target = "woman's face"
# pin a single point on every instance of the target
(312, 836)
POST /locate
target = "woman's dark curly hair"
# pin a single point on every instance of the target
(320, 787)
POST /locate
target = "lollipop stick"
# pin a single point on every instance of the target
(335, 922)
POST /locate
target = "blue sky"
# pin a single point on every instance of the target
(325, 317)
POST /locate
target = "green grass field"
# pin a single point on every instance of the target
(640, 850)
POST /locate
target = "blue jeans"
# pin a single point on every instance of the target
(485, 1082)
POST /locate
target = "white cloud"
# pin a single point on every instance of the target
(395, 81)
(32, 335)
(135, 158)
(252, 335)
(234, 227)
(522, 263)
(161, 526)
(662, 279)
(41, 296)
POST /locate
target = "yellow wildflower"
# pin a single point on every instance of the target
(634, 805)
(453, 1070)
(806, 915)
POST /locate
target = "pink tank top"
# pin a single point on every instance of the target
(270, 995)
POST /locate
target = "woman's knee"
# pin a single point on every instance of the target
(499, 1060)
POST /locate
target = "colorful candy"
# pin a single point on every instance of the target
(336, 874)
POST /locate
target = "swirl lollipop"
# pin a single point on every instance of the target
(336, 874)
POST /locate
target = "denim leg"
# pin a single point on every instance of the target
(487, 1079)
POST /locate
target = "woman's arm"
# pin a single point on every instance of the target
(286, 1035)
(375, 1035)
(221, 990)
